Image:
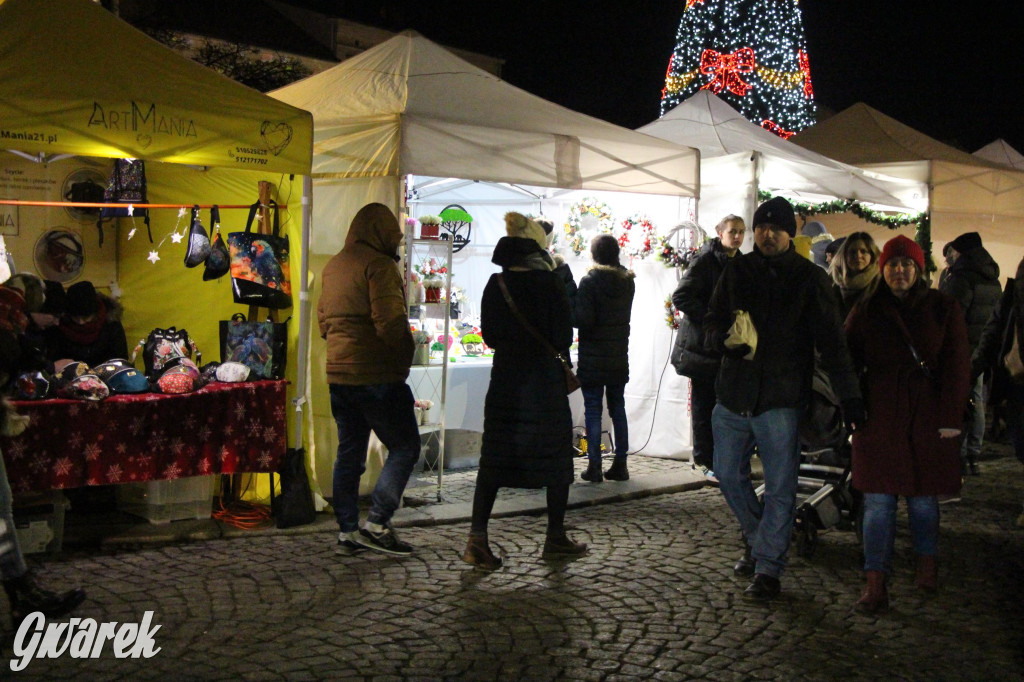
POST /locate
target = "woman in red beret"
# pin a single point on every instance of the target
(909, 343)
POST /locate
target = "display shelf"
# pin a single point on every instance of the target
(432, 317)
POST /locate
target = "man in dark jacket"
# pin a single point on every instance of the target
(603, 308)
(972, 278)
(364, 319)
(764, 383)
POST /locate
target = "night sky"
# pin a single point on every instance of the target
(952, 70)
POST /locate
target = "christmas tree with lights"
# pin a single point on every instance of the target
(752, 54)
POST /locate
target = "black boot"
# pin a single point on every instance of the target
(593, 472)
(618, 470)
(27, 596)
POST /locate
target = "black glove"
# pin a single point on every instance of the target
(854, 416)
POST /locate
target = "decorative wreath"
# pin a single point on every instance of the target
(573, 237)
(672, 315)
(637, 236)
(692, 237)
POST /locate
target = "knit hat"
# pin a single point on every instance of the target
(81, 300)
(901, 247)
(545, 223)
(966, 242)
(518, 225)
(31, 289)
(834, 246)
(776, 211)
(604, 249)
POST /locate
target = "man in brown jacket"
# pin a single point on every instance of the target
(364, 319)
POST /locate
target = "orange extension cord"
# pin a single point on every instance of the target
(241, 514)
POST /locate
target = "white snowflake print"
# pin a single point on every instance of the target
(17, 451)
(265, 459)
(75, 441)
(239, 411)
(204, 465)
(269, 434)
(92, 452)
(114, 473)
(171, 472)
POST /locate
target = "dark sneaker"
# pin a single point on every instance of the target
(386, 541)
(745, 566)
(350, 541)
(762, 588)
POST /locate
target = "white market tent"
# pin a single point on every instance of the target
(999, 151)
(739, 158)
(966, 193)
(408, 107)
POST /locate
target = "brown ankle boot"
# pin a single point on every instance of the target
(563, 546)
(875, 597)
(927, 577)
(478, 553)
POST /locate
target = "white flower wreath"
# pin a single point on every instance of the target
(574, 238)
(637, 236)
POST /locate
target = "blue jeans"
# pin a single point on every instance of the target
(387, 410)
(12, 563)
(971, 449)
(767, 525)
(593, 410)
(880, 528)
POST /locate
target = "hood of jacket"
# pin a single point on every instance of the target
(377, 227)
(615, 280)
(977, 261)
(521, 252)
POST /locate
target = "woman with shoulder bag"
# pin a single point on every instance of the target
(690, 357)
(527, 441)
(910, 344)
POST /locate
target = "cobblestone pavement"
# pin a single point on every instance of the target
(654, 598)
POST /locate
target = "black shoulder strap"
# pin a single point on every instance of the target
(523, 321)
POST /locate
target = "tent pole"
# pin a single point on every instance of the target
(304, 314)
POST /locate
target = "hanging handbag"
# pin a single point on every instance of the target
(294, 507)
(127, 185)
(218, 263)
(162, 348)
(198, 247)
(260, 346)
(572, 382)
(260, 272)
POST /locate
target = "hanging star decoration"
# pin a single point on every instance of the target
(131, 233)
(177, 237)
(153, 257)
(131, 210)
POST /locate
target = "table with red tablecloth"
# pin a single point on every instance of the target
(220, 428)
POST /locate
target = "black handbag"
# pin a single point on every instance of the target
(260, 346)
(218, 263)
(294, 506)
(689, 362)
(198, 247)
(260, 271)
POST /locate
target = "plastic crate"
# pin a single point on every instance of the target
(166, 501)
(40, 523)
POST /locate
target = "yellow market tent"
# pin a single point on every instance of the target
(77, 83)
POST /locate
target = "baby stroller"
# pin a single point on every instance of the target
(825, 495)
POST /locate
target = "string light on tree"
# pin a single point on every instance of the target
(752, 54)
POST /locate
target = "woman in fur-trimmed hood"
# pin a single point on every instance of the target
(527, 441)
(603, 307)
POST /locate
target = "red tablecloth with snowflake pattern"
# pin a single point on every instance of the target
(221, 428)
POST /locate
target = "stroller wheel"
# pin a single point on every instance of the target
(806, 537)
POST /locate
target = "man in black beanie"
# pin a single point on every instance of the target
(764, 383)
(972, 278)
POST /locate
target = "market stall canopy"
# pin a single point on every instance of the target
(707, 122)
(967, 193)
(999, 151)
(408, 106)
(75, 79)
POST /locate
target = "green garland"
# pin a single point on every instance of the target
(922, 235)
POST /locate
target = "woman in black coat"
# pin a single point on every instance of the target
(691, 298)
(604, 304)
(527, 441)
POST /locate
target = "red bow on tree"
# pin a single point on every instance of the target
(773, 127)
(805, 66)
(726, 69)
